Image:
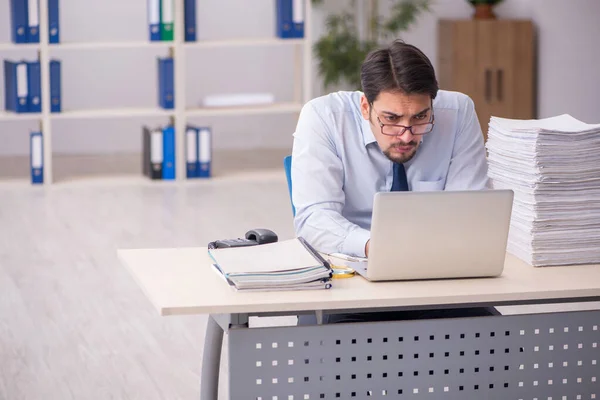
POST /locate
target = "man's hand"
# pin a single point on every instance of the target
(367, 248)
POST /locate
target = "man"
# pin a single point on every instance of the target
(400, 133)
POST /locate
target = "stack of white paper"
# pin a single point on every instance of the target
(553, 167)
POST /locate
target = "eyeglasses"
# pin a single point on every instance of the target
(398, 130)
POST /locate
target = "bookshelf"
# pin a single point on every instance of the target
(9, 116)
(24, 46)
(244, 42)
(113, 113)
(276, 108)
(302, 82)
(108, 45)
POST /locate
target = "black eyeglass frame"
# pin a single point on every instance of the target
(404, 128)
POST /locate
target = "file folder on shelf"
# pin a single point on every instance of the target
(190, 20)
(18, 14)
(10, 88)
(36, 157)
(166, 20)
(34, 82)
(53, 22)
(154, 20)
(168, 167)
(191, 151)
(33, 21)
(204, 152)
(55, 86)
(22, 104)
(16, 86)
(166, 83)
(290, 19)
(298, 18)
(152, 153)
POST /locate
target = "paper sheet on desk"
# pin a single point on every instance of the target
(564, 123)
(346, 257)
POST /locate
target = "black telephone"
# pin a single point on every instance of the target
(253, 237)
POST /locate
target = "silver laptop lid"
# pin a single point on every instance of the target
(439, 234)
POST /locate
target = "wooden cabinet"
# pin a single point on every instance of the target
(493, 62)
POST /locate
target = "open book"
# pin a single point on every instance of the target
(286, 265)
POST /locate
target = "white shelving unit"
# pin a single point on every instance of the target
(244, 42)
(178, 48)
(113, 113)
(8, 116)
(277, 108)
(22, 46)
(108, 45)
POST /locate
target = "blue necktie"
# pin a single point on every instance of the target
(400, 183)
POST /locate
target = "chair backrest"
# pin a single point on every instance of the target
(287, 165)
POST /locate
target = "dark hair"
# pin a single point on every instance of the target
(399, 67)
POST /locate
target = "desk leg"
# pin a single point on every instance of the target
(211, 361)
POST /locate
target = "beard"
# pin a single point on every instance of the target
(401, 158)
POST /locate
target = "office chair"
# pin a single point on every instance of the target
(287, 165)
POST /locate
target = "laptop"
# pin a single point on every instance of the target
(437, 235)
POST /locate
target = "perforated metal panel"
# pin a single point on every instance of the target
(544, 357)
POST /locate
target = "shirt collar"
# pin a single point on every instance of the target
(367, 132)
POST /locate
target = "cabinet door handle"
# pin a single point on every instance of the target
(500, 83)
(488, 85)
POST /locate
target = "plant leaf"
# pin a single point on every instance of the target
(340, 52)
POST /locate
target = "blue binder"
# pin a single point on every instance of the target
(166, 83)
(190, 20)
(22, 104)
(18, 14)
(168, 169)
(33, 21)
(34, 86)
(55, 86)
(154, 20)
(191, 152)
(204, 167)
(290, 19)
(36, 157)
(16, 86)
(53, 22)
(10, 87)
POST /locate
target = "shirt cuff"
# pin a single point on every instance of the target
(355, 242)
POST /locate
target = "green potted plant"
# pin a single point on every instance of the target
(341, 50)
(484, 9)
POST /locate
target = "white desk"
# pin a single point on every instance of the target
(180, 281)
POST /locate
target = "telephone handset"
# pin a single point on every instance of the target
(252, 238)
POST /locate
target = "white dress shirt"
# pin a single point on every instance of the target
(338, 166)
